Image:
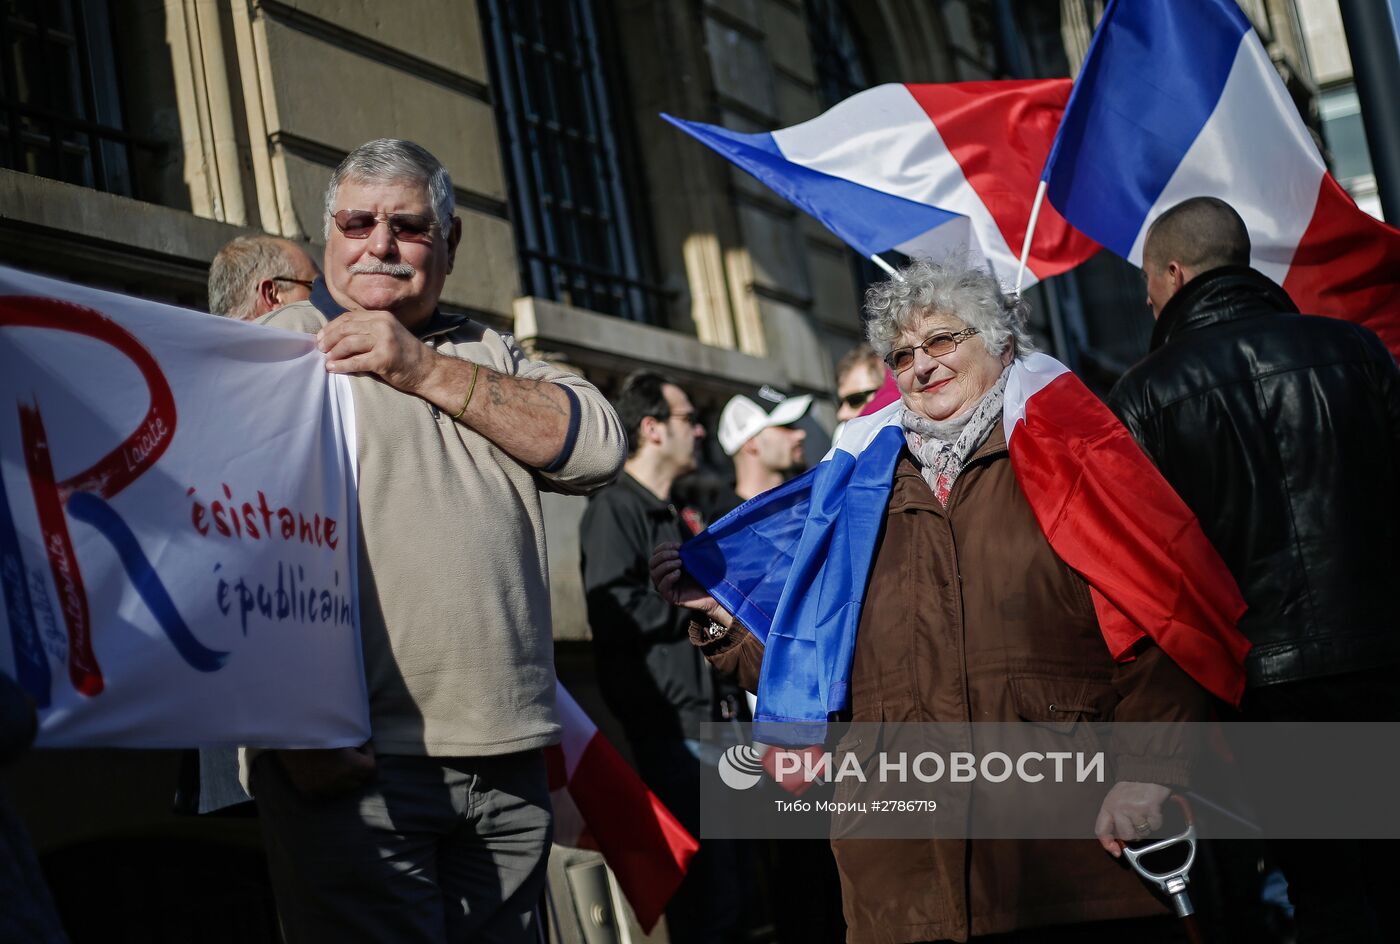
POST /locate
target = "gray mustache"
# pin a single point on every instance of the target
(399, 269)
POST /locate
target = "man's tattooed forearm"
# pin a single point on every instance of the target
(530, 395)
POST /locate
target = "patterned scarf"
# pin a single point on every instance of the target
(943, 447)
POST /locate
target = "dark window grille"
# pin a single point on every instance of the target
(577, 238)
(837, 51)
(60, 108)
(838, 55)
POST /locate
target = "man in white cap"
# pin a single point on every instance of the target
(765, 445)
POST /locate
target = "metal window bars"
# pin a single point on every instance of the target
(576, 235)
(60, 107)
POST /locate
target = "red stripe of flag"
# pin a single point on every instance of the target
(1000, 134)
(643, 843)
(600, 803)
(1347, 265)
(1109, 514)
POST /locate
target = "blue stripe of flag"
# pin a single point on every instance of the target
(743, 559)
(792, 565)
(1154, 73)
(870, 221)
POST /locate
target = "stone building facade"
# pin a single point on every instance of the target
(138, 136)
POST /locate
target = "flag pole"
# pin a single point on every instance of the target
(889, 269)
(1030, 233)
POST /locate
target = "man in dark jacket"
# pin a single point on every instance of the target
(646, 666)
(655, 682)
(1281, 431)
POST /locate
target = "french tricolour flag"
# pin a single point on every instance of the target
(1177, 100)
(600, 803)
(922, 169)
(792, 564)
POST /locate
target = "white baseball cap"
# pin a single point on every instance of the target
(742, 419)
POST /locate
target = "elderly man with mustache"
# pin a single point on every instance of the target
(438, 829)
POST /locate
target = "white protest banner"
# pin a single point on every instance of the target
(177, 536)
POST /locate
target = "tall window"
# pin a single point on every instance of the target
(838, 55)
(837, 51)
(60, 112)
(566, 158)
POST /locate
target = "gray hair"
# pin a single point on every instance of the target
(393, 160)
(950, 288)
(239, 267)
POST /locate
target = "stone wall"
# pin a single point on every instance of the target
(256, 101)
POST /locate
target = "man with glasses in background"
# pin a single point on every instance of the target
(250, 277)
(859, 376)
(254, 275)
(648, 671)
(438, 829)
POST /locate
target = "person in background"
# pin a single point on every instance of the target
(250, 277)
(859, 376)
(765, 446)
(1281, 432)
(254, 275)
(655, 682)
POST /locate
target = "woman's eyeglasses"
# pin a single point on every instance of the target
(940, 345)
(410, 227)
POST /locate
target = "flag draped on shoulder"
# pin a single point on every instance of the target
(1109, 514)
(922, 169)
(792, 564)
(1178, 100)
(599, 803)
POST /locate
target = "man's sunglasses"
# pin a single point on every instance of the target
(410, 227)
(940, 345)
(304, 283)
(858, 398)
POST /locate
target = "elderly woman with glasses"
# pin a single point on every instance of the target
(969, 615)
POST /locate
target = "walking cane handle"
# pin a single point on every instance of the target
(1173, 881)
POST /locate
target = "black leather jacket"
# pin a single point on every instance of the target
(1281, 431)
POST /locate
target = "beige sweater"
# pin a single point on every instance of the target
(454, 592)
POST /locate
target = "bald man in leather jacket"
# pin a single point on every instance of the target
(1281, 431)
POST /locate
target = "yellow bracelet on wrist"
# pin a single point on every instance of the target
(471, 388)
